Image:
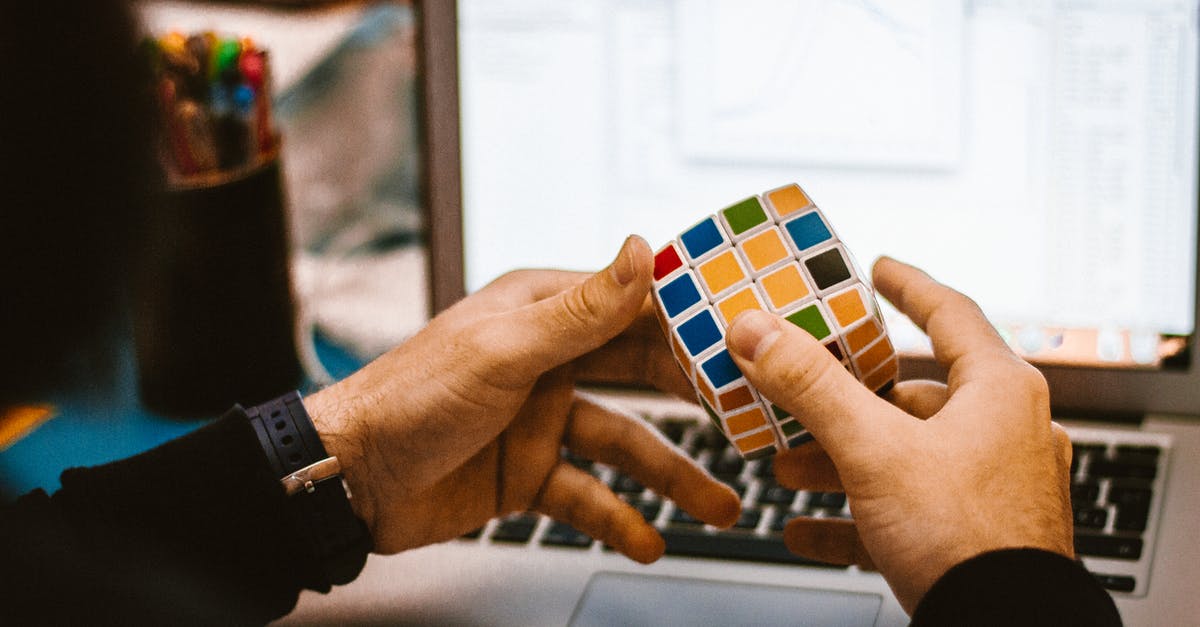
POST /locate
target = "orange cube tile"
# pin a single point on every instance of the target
(784, 287)
(847, 307)
(755, 441)
(887, 372)
(735, 398)
(739, 301)
(871, 358)
(705, 390)
(746, 420)
(765, 249)
(861, 336)
(721, 272)
(787, 200)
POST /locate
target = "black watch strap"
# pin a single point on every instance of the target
(319, 507)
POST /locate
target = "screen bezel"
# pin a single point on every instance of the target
(1101, 393)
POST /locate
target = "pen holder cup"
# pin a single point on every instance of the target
(214, 318)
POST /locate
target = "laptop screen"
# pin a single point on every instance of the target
(1040, 157)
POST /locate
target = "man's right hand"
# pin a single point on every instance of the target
(945, 473)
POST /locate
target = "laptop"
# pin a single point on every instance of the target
(1041, 157)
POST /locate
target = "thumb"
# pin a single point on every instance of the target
(542, 335)
(793, 370)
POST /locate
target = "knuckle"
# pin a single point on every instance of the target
(512, 278)
(1033, 381)
(579, 307)
(801, 374)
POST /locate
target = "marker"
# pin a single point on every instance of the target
(266, 131)
(177, 142)
(200, 49)
(197, 132)
(225, 57)
(244, 106)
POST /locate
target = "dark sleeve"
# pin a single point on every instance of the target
(1017, 587)
(195, 531)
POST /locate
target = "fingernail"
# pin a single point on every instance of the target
(623, 269)
(753, 332)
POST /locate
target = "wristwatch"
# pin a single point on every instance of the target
(318, 497)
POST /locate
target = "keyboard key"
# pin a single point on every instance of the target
(1129, 449)
(1116, 583)
(516, 529)
(1133, 505)
(680, 517)
(735, 483)
(749, 519)
(1129, 495)
(1123, 468)
(733, 546)
(1108, 546)
(624, 484)
(1132, 518)
(648, 509)
(562, 534)
(826, 500)
(674, 430)
(775, 494)
(782, 519)
(1091, 517)
(728, 463)
(707, 440)
(1085, 493)
(578, 462)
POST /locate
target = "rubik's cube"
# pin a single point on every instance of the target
(775, 252)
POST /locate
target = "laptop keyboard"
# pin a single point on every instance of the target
(1116, 483)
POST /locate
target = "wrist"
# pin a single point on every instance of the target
(333, 419)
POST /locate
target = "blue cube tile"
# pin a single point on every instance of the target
(721, 370)
(807, 231)
(680, 294)
(702, 238)
(700, 332)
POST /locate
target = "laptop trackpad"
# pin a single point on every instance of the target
(629, 599)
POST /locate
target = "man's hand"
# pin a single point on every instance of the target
(947, 472)
(468, 419)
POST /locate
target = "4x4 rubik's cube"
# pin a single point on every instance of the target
(775, 252)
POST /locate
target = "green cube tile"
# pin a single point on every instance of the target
(780, 413)
(811, 320)
(791, 428)
(745, 215)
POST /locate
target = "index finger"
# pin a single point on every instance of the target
(633, 447)
(518, 288)
(954, 323)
